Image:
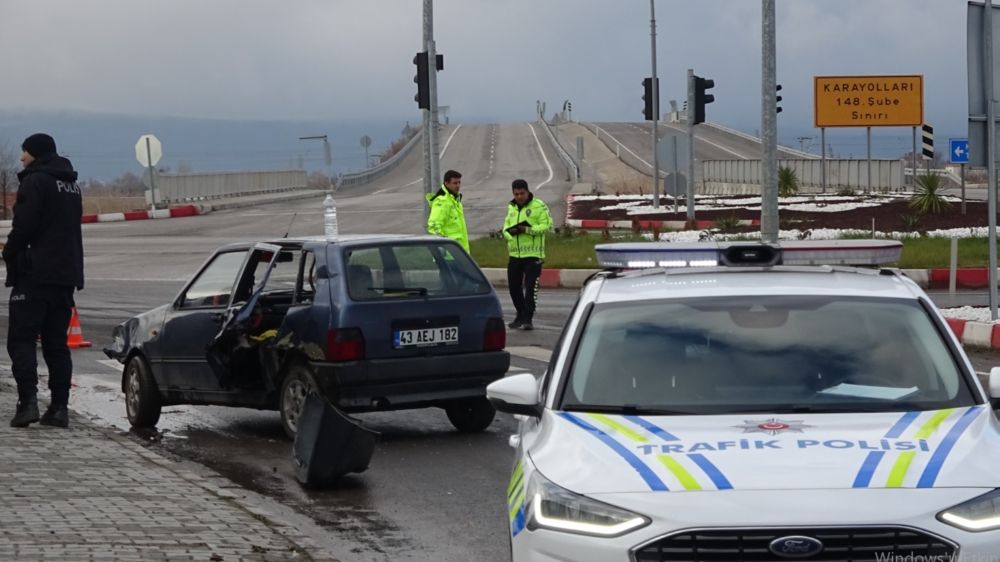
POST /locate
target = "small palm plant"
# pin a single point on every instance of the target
(788, 182)
(929, 199)
(726, 224)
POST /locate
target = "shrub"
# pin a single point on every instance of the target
(911, 223)
(845, 191)
(788, 182)
(928, 199)
(726, 224)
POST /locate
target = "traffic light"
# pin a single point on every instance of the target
(647, 97)
(701, 98)
(422, 80)
(777, 99)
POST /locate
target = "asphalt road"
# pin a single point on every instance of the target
(431, 493)
(710, 143)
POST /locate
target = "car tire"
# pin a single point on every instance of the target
(142, 398)
(471, 416)
(295, 387)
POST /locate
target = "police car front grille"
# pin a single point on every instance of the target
(840, 544)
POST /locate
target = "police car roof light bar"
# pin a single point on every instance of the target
(644, 255)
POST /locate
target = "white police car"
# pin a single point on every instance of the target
(758, 408)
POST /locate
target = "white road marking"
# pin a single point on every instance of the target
(629, 150)
(139, 279)
(542, 152)
(112, 364)
(530, 352)
(418, 180)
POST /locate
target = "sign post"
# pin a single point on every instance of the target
(148, 152)
(958, 153)
(366, 141)
(927, 148)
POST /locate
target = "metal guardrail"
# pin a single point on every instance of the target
(376, 172)
(572, 167)
(199, 186)
(886, 174)
(624, 153)
(785, 149)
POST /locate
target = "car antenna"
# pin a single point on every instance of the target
(290, 225)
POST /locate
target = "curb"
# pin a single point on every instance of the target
(600, 224)
(978, 334)
(173, 212)
(937, 278)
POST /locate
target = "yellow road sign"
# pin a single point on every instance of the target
(868, 101)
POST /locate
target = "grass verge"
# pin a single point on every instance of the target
(577, 251)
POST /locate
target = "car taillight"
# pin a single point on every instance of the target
(345, 344)
(495, 337)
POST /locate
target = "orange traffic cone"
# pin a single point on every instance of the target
(74, 339)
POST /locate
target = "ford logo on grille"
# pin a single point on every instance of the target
(795, 547)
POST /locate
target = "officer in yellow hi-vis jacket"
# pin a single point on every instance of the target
(447, 218)
(527, 221)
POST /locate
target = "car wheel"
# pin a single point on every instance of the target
(470, 416)
(142, 399)
(296, 386)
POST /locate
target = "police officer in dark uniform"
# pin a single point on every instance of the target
(44, 257)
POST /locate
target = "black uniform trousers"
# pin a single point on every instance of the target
(40, 310)
(522, 278)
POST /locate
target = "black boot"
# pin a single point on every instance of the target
(56, 416)
(516, 323)
(27, 413)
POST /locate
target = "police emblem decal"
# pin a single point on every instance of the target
(772, 426)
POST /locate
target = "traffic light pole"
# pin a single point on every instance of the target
(691, 117)
(656, 107)
(769, 126)
(426, 115)
(432, 168)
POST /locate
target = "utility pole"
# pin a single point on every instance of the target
(435, 151)
(991, 188)
(656, 105)
(769, 125)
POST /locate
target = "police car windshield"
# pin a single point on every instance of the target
(764, 354)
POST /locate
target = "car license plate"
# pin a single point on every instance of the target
(445, 335)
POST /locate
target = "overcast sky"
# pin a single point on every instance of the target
(352, 59)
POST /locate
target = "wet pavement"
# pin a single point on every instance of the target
(86, 493)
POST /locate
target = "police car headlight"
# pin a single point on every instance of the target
(558, 509)
(977, 514)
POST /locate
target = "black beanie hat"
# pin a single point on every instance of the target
(38, 145)
(519, 184)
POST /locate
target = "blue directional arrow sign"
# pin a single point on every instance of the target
(958, 151)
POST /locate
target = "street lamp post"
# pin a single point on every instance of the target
(327, 157)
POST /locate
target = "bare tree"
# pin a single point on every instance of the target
(9, 163)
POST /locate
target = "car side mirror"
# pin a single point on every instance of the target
(517, 394)
(994, 387)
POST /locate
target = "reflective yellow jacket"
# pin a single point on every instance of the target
(531, 242)
(447, 218)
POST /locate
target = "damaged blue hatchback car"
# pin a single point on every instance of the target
(370, 322)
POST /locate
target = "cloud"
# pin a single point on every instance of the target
(340, 58)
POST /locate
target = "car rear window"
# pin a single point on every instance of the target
(412, 270)
(765, 354)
